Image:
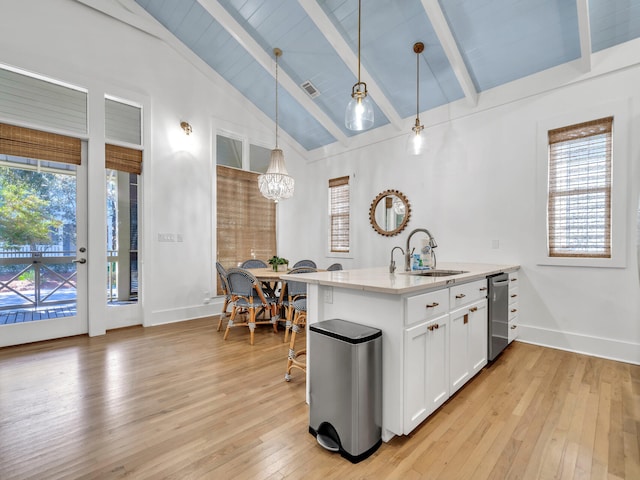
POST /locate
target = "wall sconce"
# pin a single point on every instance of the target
(186, 127)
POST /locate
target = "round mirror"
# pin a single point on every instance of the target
(389, 213)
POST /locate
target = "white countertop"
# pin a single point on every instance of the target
(380, 280)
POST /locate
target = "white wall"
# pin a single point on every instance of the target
(476, 184)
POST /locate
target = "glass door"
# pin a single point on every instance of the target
(43, 274)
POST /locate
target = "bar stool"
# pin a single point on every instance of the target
(299, 323)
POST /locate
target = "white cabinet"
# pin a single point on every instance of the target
(445, 344)
(468, 343)
(513, 306)
(426, 383)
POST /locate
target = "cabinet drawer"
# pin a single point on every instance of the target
(513, 294)
(426, 306)
(513, 331)
(513, 311)
(513, 280)
(467, 293)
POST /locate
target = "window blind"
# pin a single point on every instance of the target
(28, 143)
(246, 221)
(123, 122)
(25, 98)
(339, 214)
(579, 203)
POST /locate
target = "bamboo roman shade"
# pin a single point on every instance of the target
(28, 143)
(339, 214)
(123, 159)
(246, 224)
(579, 204)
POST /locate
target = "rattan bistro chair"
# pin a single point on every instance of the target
(228, 299)
(296, 309)
(254, 263)
(292, 291)
(299, 323)
(248, 297)
(305, 263)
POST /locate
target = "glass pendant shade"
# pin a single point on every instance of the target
(415, 140)
(276, 184)
(359, 113)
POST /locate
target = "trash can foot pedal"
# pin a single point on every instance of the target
(328, 443)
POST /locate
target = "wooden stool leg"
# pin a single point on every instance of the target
(299, 321)
(287, 327)
(223, 313)
(234, 311)
(252, 323)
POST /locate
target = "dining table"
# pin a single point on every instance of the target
(269, 279)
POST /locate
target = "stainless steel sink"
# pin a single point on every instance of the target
(436, 273)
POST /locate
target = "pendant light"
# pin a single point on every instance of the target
(276, 184)
(415, 142)
(359, 113)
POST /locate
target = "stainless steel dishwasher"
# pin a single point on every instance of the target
(498, 314)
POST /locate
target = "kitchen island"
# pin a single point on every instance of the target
(434, 330)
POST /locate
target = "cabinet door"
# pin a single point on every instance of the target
(438, 362)
(459, 371)
(416, 402)
(478, 335)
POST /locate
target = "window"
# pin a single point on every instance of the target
(123, 169)
(246, 221)
(579, 195)
(339, 215)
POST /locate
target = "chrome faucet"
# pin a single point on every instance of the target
(392, 265)
(408, 253)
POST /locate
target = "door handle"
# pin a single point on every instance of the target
(80, 260)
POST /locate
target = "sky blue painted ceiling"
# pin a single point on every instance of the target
(498, 40)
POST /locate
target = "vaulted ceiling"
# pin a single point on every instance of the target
(471, 46)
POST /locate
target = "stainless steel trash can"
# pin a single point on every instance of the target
(345, 387)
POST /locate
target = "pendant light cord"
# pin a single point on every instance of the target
(277, 55)
(417, 87)
(359, 20)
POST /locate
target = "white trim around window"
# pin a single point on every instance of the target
(620, 110)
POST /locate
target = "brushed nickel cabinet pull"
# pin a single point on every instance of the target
(434, 304)
(460, 295)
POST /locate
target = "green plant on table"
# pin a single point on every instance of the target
(275, 261)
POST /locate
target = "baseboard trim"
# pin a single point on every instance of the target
(584, 344)
(174, 315)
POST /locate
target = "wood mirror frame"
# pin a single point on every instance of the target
(385, 199)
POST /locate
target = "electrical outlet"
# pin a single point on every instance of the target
(495, 244)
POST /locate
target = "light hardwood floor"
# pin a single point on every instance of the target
(178, 402)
